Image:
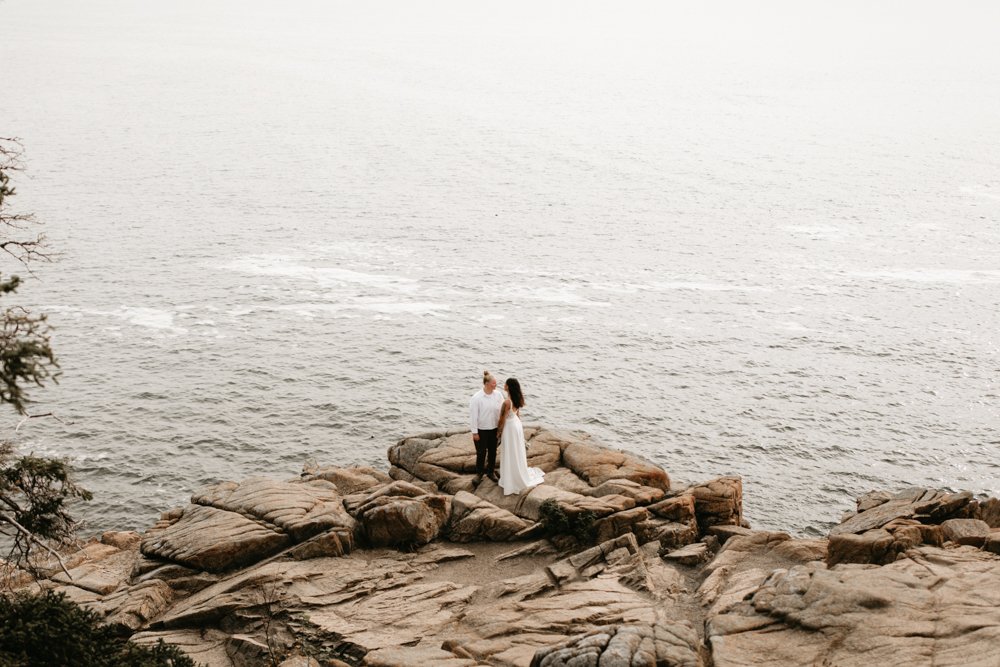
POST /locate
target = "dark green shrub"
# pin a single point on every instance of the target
(557, 521)
(50, 631)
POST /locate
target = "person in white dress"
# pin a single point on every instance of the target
(515, 475)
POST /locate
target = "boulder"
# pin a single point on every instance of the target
(136, 606)
(124, 539)
(300, 510)
(993, 542)
(182, 580)
(407, 452)
(349, 480)
(404, 521)
(725, 532)
(691, 554)
(972, 532)
(567, 480)
(528, 505)
(620, 523)
(988, 510)
(718, 502)
(871, 546)
(334, 542)
(679, 508)
(669, 534)
(926, 505)
(474, 519)
(642, 495)
(597, 465)
(873, 499)
(801, 550)
(399, 514)
(214, 540)
(456, 454)
(99, 568)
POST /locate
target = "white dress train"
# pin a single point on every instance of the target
(515, 475)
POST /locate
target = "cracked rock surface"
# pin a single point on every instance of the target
(420, 565)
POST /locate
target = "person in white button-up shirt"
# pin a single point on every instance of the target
(484, 415)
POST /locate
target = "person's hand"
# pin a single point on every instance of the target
(475, 437)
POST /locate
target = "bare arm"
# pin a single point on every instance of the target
(503, 416)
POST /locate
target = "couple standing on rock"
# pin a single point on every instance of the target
(494, 414)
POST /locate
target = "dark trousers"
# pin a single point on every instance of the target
(486, 451)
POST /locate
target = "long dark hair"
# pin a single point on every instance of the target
(516, 396)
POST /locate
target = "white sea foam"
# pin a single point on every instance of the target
(366, 232)
(288, 267)
(145, 317)
(564, 295)
(350, 309)
(826, 232)
(984, 191)
(917, 275)
(705, 287)
(151, 318)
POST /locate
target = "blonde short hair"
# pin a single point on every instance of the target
(487, 377)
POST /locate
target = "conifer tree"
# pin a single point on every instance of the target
(33, 490)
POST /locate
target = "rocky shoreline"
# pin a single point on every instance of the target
(608, 563)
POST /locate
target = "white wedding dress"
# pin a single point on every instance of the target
(515, 475)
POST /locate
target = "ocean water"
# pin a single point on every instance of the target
(761, 240)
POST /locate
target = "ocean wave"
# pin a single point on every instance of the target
(933, 275)
(284, 266)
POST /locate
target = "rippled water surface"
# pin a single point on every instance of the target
(761, 241)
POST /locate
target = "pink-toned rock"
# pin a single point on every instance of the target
(871, 546)
(972, 532)
(299, 509)
(528, 505)
(473, 519)
(334, 542)
(567, 480)
(988, 510)
(638, 645)
(718, 501)
(724, 532)
(926, 505)
(642, 495)
(669, 534)
(620, 523)
(679, 508)
(137, 605)
(214, 540)
(993, 542)
(350, 480)
(598, 465)
(125, 539)
(399, 513)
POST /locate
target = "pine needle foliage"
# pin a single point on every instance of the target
(34, 491)
(26, 356)
(50, 631)
(556, 521)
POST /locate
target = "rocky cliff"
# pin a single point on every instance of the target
(607, 564)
